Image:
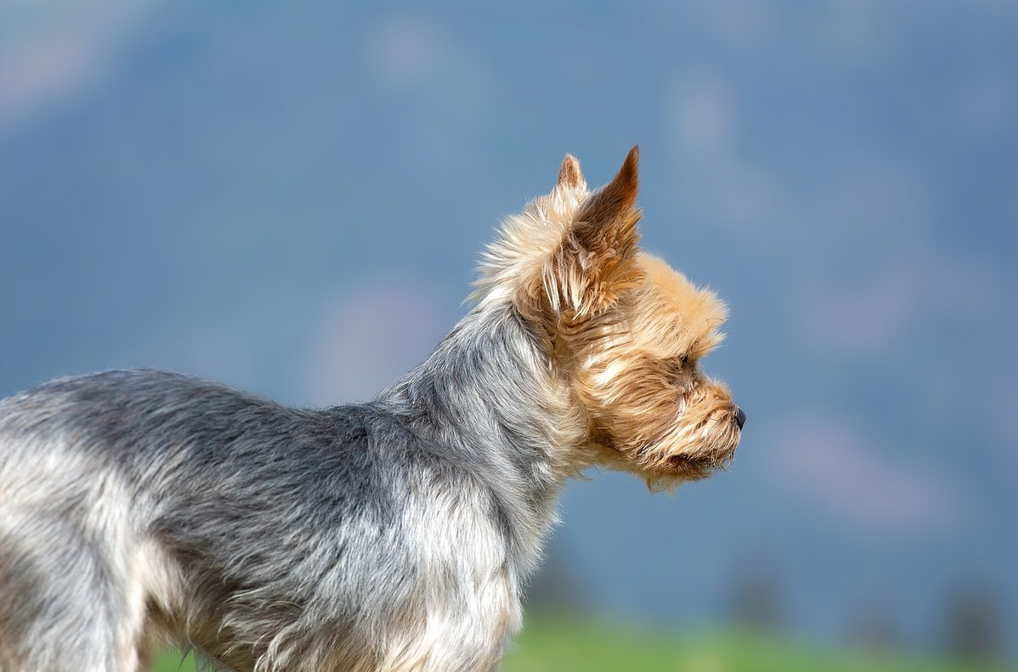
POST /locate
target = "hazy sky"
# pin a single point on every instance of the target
(291, 198)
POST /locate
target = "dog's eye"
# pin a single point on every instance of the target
(684, 360)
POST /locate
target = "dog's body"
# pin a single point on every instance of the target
(390, 536)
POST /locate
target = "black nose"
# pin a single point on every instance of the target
(740, 417)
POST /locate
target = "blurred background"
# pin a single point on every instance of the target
(290, 198)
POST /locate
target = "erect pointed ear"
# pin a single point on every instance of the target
(606, 222)
(597, 263)
(569, 175)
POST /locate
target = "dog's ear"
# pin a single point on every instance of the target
(569, 175)
(606, 222)
(596, 260)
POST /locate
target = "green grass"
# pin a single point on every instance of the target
(559, 644)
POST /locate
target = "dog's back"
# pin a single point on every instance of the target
(133, 502)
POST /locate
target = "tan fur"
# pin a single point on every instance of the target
(583, 351)
(569, 174)
(625, 331)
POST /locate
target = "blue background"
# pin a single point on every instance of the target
(291, 197)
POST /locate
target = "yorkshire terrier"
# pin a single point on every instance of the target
(140, 507)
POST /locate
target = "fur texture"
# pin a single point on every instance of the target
(138, 507)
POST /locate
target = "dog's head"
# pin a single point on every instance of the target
(624, 331)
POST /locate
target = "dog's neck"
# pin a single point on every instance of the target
(487, 400)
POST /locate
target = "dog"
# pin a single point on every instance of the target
(141, 507)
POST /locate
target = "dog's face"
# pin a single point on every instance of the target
(637, 371)
(625, 331)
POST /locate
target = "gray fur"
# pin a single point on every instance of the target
(390, 535)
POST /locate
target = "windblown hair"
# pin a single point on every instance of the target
(394, 536)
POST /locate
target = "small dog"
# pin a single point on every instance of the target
(139, 507)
